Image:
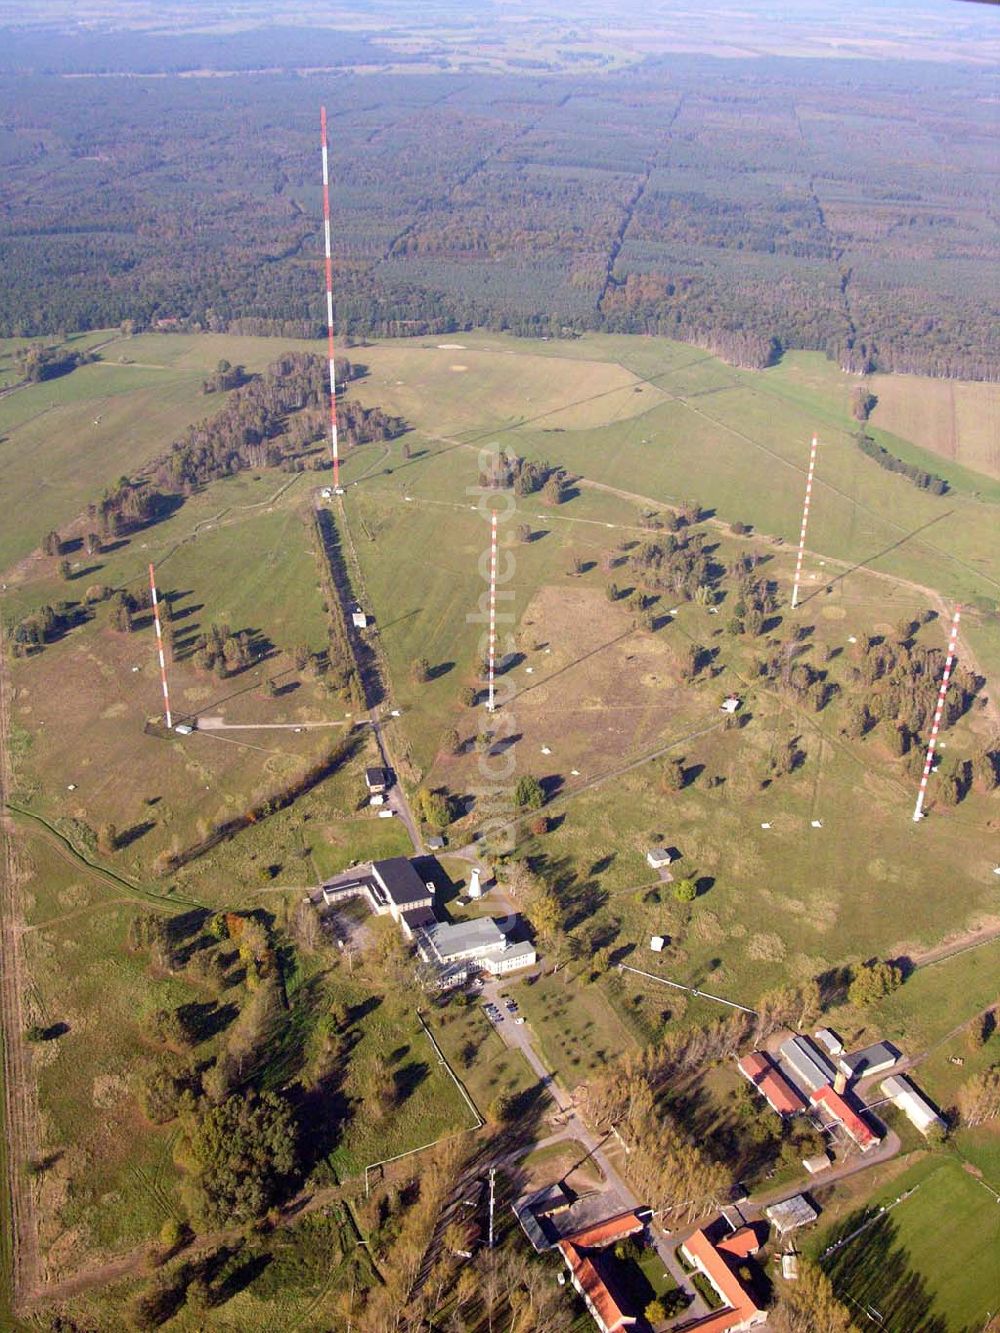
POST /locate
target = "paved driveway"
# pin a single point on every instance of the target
(519, 1037)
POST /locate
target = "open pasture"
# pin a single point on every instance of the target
(789, 900)
(492, 386)
(426, 1105)
(175, 782)
(64, 440)
(736, 440)
(956, 419)
(578, 1032)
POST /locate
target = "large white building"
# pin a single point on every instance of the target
(471, 946)
(458, 950)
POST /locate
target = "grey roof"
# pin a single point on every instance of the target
(448, 940)
(522, 950)
(791, 1213)
(828, 1038)
(419, 918)
(808, 1064)
(401, 882)
(377, 777)
(879, 1056)
(541, 1237)
(910, 1100)
(550, 1197)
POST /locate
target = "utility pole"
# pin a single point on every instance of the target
(918, 810)
(805, 523)
(328, 254)
(493, 1172)
(491, 699)
(159, 647)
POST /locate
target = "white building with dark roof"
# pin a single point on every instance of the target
(872, 1060)
(455, 949)
(390, 887)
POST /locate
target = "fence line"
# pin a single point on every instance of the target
(692, 990)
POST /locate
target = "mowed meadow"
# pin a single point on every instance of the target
(64, 440)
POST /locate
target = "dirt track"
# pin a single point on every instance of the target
(20, 1101)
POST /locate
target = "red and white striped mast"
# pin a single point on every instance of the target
(159, 648)
(334, 447)
(491, 701)
(805, 523)
(938, 711)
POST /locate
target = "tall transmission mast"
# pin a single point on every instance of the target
(918, 809)
(805, 523)
(334, 446)
(159, 648)
(491, 698)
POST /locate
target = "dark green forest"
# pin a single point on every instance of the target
(747, 206)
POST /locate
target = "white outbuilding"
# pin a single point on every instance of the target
(915, 1107)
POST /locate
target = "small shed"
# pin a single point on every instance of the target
(818, 1163)
(790, 1267)
(358, 618)
(376, 799)
(435, 843)
(659, 857)
(657, 942)
(828, 1038)
(376, 780)
(731, 704)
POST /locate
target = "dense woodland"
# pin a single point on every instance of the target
(744, 206)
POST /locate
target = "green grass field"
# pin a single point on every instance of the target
(928, 1257)
(578, 1032)
(478, 1055)
(63, 441)
(429, 1105)
(719, 435)
(112, 1182)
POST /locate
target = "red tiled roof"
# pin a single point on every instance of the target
(740, 1244)
(592, 1285)
(741, 1304)
(607, 1232)
(842, 1111)
(772, 1083)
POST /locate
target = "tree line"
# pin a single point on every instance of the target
(925, 481)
